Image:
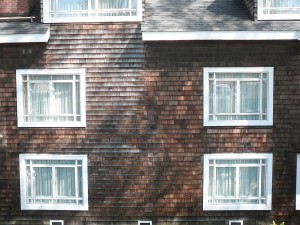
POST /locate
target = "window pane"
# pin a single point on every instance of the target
(249, 97)
(65, 182)
(225, 181)
(43, 181)
(225, 96)
(72, 5)
(63, 98)
(249, 182)
(39, 98)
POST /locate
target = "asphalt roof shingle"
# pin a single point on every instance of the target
(206, 15)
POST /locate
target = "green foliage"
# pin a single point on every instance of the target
(276, 223)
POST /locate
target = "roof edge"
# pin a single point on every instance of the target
(220, 35)
(25, 38)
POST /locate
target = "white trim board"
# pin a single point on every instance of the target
(25, 38)
(220, 35)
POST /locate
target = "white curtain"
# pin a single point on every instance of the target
(228, 100)
(281, 6)
(113, 4)
(65, 185)
(223, 182)
(66, 182)
(69, 5)
(51, 101)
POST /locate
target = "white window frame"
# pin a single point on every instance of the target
(23, 186)
(56, 221)
(48, 19)
(35, 72)
(298, 183)
(232, 206)
(142, 221)
(262, 16)
(233, 222)
(208, 122)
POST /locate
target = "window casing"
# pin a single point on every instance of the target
(51, 98)
(238, 96)
(298, 183)
(60, 11)
(142, 222)
(53, 182)
(237, 182)
(278, 9)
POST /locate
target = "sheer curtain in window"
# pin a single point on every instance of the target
(51, 101)
(68, 5)
(282, 6)
(237, 99)
(42, 182)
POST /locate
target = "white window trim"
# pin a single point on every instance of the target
(298, 183)
(261, 16)
(57, 221)
(20, 99)
(142, 221)
(236, 221)
(22, 168)
(208, 122)
(216, 207)
(48, 19)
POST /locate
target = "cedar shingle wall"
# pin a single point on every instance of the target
(144, 137)
(15, 7)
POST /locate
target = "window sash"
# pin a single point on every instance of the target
(51, 98)
(92, 8)
(271, 7)
(48, 188)
(228, 101)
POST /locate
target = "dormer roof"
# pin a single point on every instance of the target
(235, 18)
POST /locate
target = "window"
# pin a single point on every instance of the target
(144, 222)
(236, 222)
(239, 96)
(53, 182)
(278, 9)
(237, 182)
(57, 11)
(51, 98)
(56, 222)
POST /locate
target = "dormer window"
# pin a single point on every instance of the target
(60, 11)
(278, 9)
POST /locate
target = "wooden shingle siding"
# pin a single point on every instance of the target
(145, 137)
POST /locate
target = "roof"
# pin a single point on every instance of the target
(18, 32)
(207, 15)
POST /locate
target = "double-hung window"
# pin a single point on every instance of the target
(51, 98)
(237, 182)
(53, 182)
(58, 11)
(238, 96)
(278, 9)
